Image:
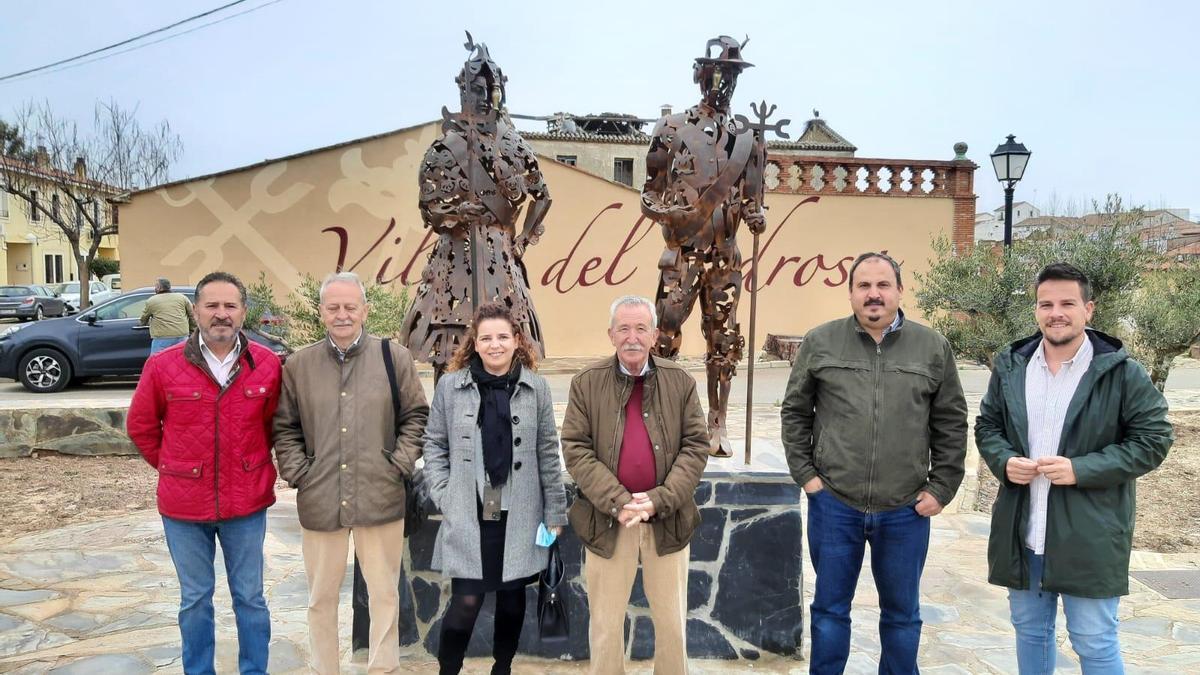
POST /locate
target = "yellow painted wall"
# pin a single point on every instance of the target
(307, 213)
(16, 229)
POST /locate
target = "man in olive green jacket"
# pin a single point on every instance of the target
(339, 441)
(875, 431)
(1068, 423)
(636, 442)
(169, 316)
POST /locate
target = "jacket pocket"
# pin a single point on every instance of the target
(181, 469)
(255, 463)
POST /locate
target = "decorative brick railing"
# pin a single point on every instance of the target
(858, 177)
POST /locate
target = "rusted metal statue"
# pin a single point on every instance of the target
(703, 177)
(474, 181)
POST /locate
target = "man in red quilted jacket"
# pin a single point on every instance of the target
(201, 415)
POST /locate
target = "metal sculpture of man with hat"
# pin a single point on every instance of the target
(703, 177)
(473, 182)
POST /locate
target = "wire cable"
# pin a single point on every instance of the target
(67, 63)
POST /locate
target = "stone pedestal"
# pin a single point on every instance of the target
(745, 581)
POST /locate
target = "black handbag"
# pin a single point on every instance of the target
(414, 487)
(552, 611)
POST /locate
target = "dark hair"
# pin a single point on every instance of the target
(524, 353)
(224, 277)
(882, 256)
(162, 285)
(1061, 271)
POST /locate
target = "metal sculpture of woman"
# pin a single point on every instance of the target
(474, 181)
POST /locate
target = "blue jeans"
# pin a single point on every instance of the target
(193, 548)
(837, 538)
(159, 344)
(1091, 623)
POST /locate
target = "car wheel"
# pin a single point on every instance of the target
(38, 314)
(44, 371)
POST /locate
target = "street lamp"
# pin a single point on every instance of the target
(1009, 160)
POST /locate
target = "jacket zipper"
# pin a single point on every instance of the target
(874, 425)
(620, 428)
(217, 433)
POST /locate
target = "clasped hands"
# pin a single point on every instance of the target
(1022, 470)
(640, 510)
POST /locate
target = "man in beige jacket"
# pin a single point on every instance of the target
(635, 442)
(169, 316)
(339, 440)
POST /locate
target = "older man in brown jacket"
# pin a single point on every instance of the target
(636, 442)
(339, 440)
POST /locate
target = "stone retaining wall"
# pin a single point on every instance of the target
(744, 585)
(71, 431)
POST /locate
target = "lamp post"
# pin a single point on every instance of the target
(1009, 161)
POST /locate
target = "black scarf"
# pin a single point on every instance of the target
(495, 418)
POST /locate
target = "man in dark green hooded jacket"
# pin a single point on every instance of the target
(1068, 423)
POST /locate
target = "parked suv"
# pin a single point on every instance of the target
(30, 302)
(105, 340)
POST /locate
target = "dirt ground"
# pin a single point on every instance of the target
(1168, 499)
(52, 490)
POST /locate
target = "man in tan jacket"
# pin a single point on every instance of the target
(339, 440)
(169, 316)
(636, 442)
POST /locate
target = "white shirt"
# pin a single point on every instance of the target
(341, 354)
(645, 368)
(1046, 398)
(220, 368)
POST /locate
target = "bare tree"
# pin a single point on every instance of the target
(72, 182)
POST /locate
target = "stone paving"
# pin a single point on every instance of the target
(101, 598)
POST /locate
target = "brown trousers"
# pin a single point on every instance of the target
(609, 582)
(380, 550)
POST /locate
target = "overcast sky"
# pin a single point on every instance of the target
(1105, 94)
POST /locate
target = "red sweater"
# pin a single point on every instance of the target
(635, 465)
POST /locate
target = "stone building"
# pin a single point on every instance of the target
(613, 146)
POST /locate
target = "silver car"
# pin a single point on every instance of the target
(69, 292)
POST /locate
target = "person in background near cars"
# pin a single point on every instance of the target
(496, 493)
(1068, 424)
(169, 316)
(875, 432)
(340, 441)
(636, 442)
(201, 415)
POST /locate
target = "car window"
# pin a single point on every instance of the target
(125, 308)
(72, 287)
(97, 287)
(44, 292)
(14, 291)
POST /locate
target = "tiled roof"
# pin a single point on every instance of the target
(625, 139)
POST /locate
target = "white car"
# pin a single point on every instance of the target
(69, 292)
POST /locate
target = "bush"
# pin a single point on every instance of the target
(102, 266)
(385, 319)
(983, 299)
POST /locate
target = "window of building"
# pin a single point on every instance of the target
(623, 170)
(54, 268)
(3, 204)
(569, 160)
(96, 213)
(54, 207)
(35, 213)
(114, 216)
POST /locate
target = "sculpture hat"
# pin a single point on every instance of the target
(479, 61)
(730, 54)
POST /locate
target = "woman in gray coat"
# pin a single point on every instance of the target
(492, 466)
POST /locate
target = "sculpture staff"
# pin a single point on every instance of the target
(473, 182)
(702, 179)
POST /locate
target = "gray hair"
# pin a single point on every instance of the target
(343, 277)
(162, 285)
(632, 301)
